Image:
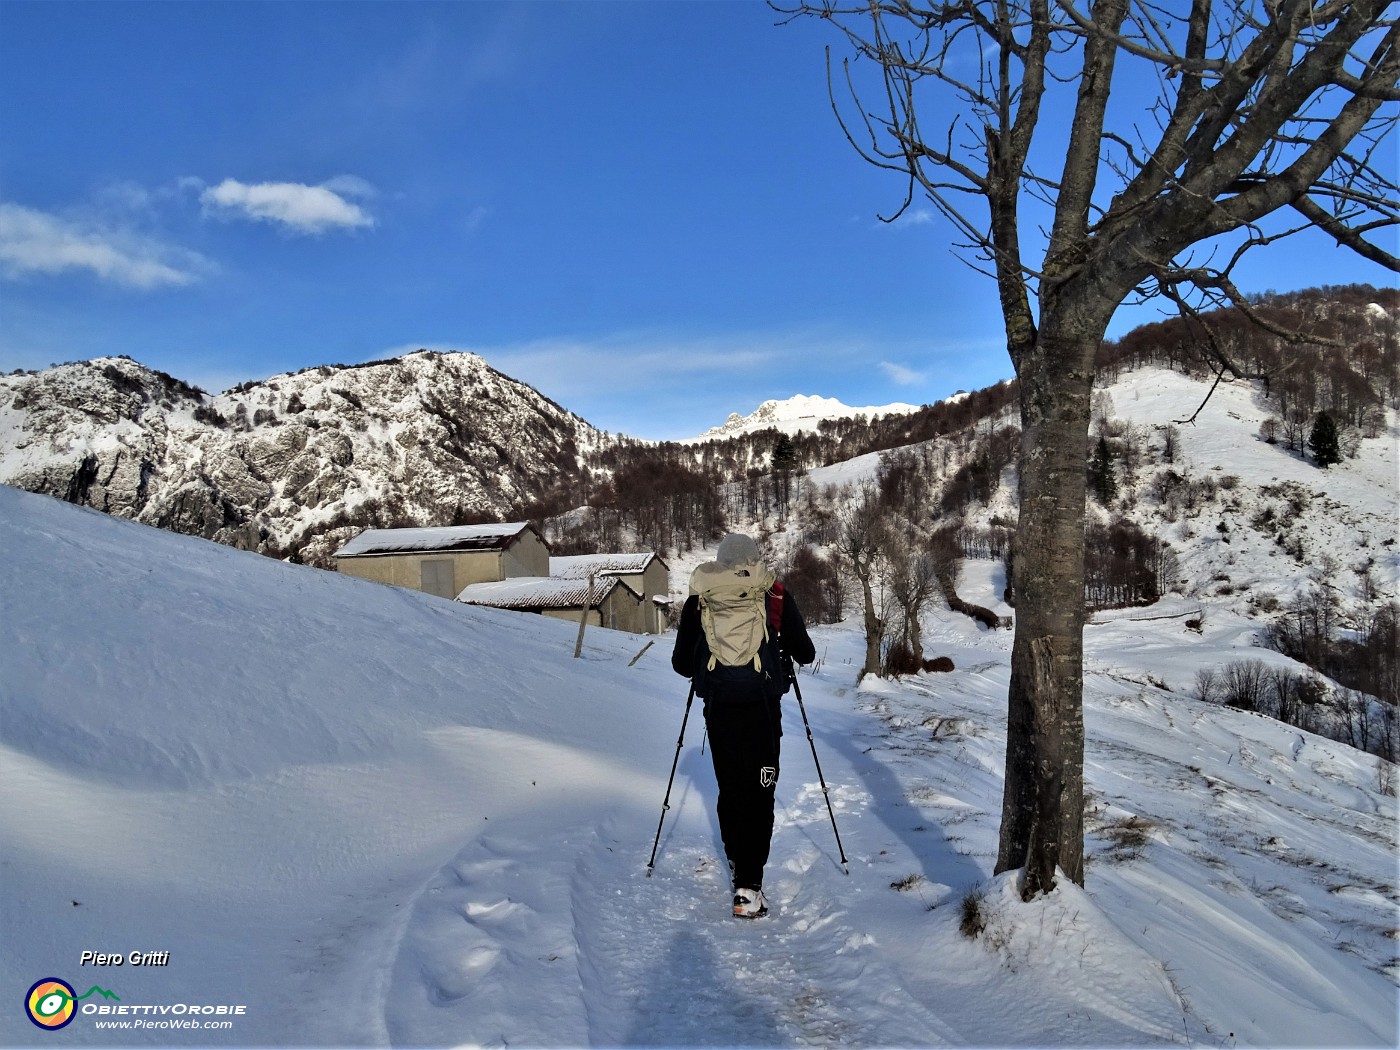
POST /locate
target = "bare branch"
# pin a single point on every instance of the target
(1345, 235)
(1071, 227)
(1089, 26)
(1207, 280)
(1218, 282)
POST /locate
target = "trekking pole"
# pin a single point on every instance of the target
(797, 690)
(666, 803)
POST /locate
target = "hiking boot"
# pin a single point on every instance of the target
(749, 904)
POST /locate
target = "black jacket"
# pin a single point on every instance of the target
(691, 656)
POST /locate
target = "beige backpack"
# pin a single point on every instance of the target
(733, 611)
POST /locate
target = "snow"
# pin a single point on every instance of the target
(443, 538)
(795, 414)
(580, 566)
(1347, 517)
(858, 471)
(373, 817)
(278, 462)
(539, 592)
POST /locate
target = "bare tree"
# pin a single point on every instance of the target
(913, 581)
(1261, 109)
(860, 543)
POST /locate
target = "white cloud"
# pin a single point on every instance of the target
(912, 217)
(298, 207)
(35, 242)
(350, 186)
(901, 374)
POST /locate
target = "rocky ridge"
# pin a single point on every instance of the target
(292, 465)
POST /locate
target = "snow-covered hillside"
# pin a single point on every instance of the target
(373, 817)
(1287, 524)
(1286, 521)
(794, 414)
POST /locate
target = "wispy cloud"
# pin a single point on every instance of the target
(474, 219)
(902, 374)
(293, 205)
(576, 369)
(598, 364)
(659, 384)
(37, 242)
(912, 217)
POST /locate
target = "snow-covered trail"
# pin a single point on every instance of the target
(556, 935)
(490, 958)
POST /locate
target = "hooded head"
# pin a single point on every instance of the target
(737, 549)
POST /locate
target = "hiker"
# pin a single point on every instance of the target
(739, 631)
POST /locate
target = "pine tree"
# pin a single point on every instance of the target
(784, 465)
(1102, 476)
(1326, 449)
(784, 454)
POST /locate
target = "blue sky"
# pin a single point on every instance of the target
(645, 210)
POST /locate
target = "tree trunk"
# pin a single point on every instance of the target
(1043, 806)
(874, 626)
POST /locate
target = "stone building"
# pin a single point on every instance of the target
(443, 561)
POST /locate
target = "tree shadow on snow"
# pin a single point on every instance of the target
(939, 860)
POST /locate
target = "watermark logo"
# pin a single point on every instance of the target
(51, 1003)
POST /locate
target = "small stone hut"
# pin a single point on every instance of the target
(443, 561)
(646, 574)
(612, 603)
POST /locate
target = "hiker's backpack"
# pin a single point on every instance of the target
(734, 614)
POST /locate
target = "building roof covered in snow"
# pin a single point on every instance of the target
(578, 566)
(540, 592)
(488, 537)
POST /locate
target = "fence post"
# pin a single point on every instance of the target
(583, 617)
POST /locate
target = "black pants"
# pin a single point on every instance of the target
(745, 732)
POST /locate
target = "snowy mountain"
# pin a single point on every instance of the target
(428, 438)
(367, 816)
(798, 413)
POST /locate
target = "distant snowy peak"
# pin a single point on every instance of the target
(797, 413)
